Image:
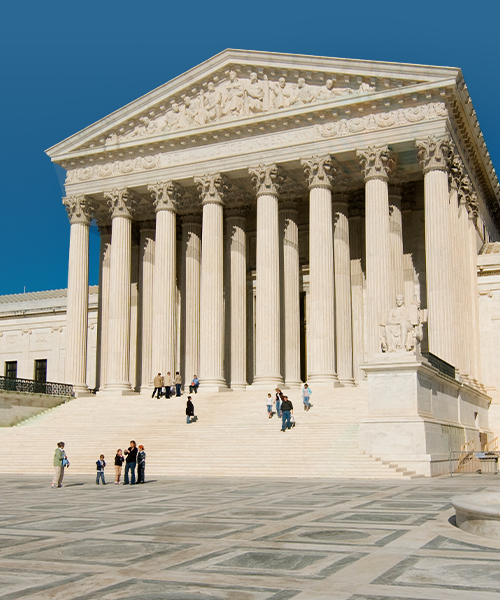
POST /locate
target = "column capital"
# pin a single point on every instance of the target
(375, 162)
(80, 209)
(433, 153)
(166, 195)
(236, 208)
(190, 219)
(212, 188)
(319, 171)
(456, 170)
(288, 204)
(465, 189)
(122, 203)
(473, 207)
(341, 197)
(267, 179)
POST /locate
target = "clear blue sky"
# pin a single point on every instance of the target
(65, 65)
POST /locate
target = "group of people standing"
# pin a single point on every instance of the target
(284, 406)
(171, 387)
(135, 458)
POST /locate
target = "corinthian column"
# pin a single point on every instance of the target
(379, 282)
(472, 207)
(122, 205)
(190, 296)
(396, 236)
(290, 293)
(433, 153)
(356, 238)
(146, 277)
(342, 269)
(267, 180)
(79, 209)
(166, 196)
(103, 310)
(237, 289)
(212, 188)
(321, 310)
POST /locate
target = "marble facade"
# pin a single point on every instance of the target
(268, 209)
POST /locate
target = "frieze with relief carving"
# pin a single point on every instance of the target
(332, 129)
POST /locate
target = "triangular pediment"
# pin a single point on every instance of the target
(236, 85)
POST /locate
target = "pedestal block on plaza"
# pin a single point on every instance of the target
(418, 415)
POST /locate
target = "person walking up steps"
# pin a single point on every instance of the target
(158, 383)
(286, 411)
(101, 463)
(306, 396)
(269, 402)
(189, 410)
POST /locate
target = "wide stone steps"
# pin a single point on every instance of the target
(232, 437)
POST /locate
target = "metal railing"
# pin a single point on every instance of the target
(35, 387)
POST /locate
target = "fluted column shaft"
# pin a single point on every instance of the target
(379, 283)
(268, 292)
(290, 293)
(465, 289)
(357, 286)
(342, 270)
(237, 299)
(103, 325)
(474, 299)
(119, 305)
(396, 236)
(146, 278)
(408, 267)
(212, 298)
(77, 307)
(190, 296)
(164, 296)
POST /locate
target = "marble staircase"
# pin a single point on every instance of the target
(232, 437)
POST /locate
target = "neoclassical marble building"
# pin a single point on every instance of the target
(260, 213)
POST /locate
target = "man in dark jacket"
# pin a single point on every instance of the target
(286, 411)
(189, 410)
(130, 463)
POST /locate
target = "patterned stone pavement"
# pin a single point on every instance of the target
(242, 539)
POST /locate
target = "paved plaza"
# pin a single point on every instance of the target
(242, 539)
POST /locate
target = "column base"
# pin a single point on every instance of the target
(117, 389)
(80, 390)
(260, 381)
(323, 378)
(213, 385)
(239, 386)
(293, 384)
(347, 382)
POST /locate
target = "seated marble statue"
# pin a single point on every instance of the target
(398, 329)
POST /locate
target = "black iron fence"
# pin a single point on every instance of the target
(35, 387)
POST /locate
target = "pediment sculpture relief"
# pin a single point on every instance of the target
(237, 97)
(402, 329)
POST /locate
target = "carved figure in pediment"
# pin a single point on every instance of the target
(211, 103)
(254, 95)
(366, 88)
(233, 98)
(190, 110)
(330, 92)
(302, 93)
(282, 94)
(174, 118)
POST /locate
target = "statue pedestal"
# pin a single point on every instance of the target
(417, 414)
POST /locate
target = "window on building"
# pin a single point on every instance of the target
(41, 370)
(11, 369)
